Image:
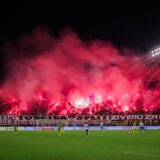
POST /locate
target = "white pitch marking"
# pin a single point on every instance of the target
(156, 150)
(150, 155)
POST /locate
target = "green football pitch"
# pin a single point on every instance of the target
(73, 145)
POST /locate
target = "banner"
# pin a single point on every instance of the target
(43, 120)
(80, 117)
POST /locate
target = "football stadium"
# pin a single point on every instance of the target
(117, 123)
(65, 95)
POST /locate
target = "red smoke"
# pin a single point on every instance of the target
(66, 75)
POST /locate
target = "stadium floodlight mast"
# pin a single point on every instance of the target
(156, 52)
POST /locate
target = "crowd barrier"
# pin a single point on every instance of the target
(77, 128)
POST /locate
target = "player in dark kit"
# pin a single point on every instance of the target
(15, 127)
(60, 126)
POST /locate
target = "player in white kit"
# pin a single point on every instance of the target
(86, 127)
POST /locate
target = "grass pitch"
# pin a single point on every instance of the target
(73, 145)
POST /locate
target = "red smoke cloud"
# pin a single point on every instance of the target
(66, 75)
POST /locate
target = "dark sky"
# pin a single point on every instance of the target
(134, 25)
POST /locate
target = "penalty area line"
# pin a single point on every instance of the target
(141, 154)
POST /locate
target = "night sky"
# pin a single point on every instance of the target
(136, 26)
